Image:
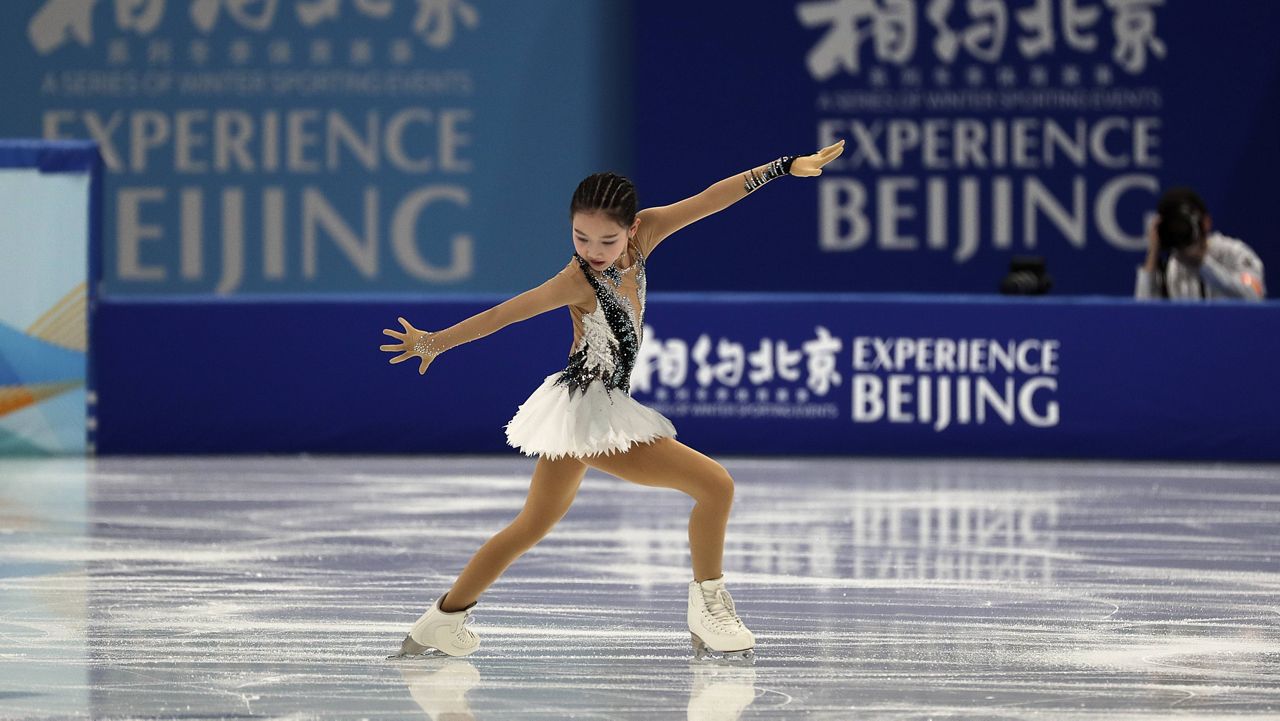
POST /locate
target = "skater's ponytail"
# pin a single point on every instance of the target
(608, 193)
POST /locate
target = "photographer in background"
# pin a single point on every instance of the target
(1186, 259)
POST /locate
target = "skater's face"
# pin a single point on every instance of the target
(599, 239)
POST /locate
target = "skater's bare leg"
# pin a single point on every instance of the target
(669, 463)
(714, 625)
(551, 492)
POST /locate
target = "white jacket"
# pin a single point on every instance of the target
(1230, 270)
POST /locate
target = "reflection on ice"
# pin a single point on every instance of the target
(43, 544)
(720, 692)
(441, 687)
(945, 535)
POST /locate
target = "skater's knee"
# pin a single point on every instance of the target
(718, 486)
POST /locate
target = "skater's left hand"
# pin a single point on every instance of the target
(811, 165)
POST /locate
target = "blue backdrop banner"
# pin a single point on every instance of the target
(975, 130)
(312, 146)
(744, 374)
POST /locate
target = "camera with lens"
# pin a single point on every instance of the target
(1179, 227)
(1027, 276)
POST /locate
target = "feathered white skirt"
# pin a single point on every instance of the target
(552, 424)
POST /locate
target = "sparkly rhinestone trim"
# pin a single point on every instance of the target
(751, 180)
(426, 346)
(611, 334)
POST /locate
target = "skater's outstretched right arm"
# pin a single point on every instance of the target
(568, 287)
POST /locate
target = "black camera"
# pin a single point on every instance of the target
(1026, 276)
(1179, 227)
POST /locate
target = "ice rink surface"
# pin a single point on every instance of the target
(275, 588)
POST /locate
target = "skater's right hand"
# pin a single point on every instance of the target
(413, 343)
(808, 166)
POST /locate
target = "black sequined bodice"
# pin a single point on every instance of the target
(611, 334)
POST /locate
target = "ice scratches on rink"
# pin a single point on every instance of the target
(275, 588)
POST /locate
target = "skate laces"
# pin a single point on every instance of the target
(719, 607)
(462, 632)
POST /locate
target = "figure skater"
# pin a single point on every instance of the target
(584, 416)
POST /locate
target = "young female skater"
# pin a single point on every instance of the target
(584, 415)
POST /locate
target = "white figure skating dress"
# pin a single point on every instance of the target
(587, 409)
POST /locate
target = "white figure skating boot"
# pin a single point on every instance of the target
(445, 632)
(715, 626)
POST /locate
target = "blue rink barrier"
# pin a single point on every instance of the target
(737, 374)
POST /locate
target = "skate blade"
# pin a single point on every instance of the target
(703, 652)
(410, 649)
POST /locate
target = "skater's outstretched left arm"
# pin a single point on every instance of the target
(658, 223)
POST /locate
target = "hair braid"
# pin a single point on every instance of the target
(609, 193)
